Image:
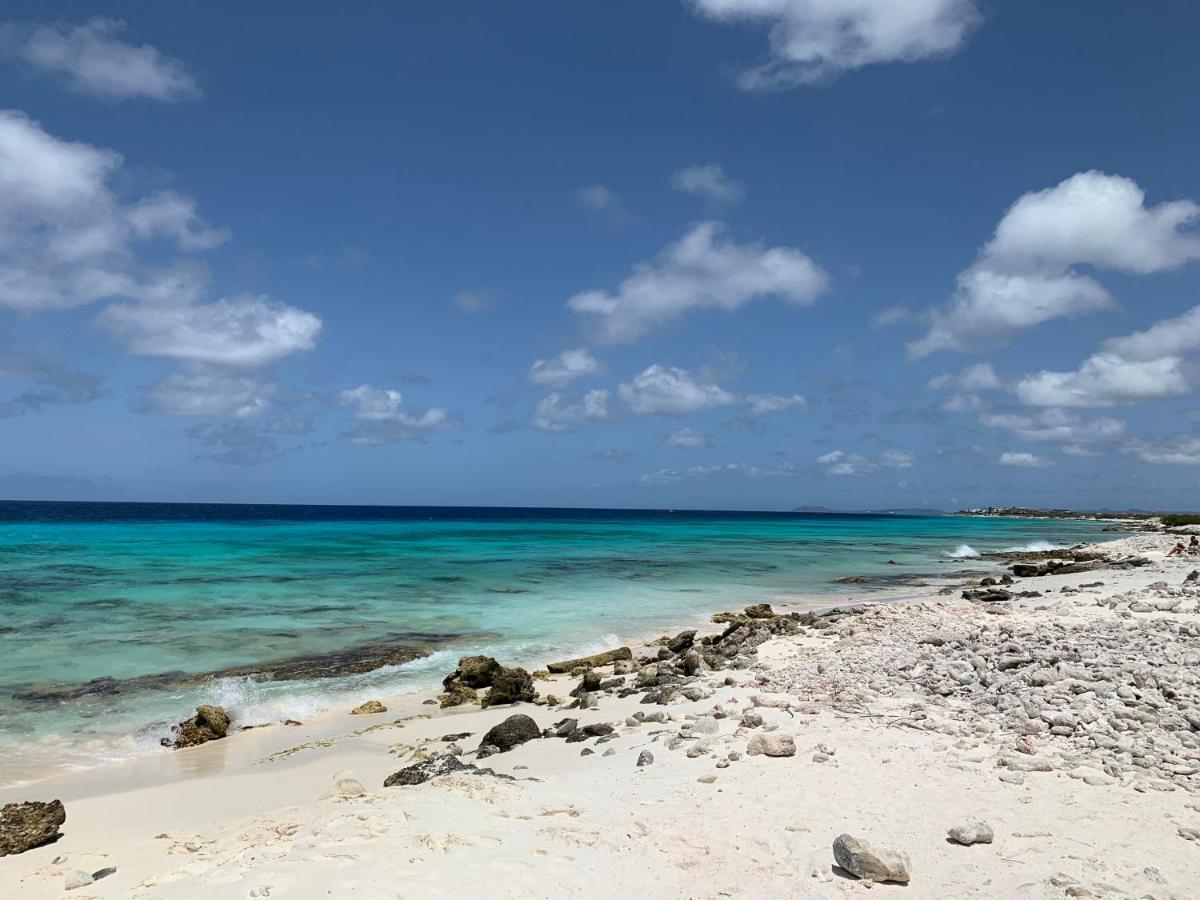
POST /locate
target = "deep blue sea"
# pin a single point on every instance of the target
(166, 593)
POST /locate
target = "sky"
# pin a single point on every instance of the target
(714, 254)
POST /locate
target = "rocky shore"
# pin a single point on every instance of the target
(1030, 733)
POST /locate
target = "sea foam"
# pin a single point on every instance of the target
(963, 551)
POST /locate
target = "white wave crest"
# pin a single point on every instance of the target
(1034, 547)
(963, 551)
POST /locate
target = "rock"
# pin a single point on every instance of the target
(474, 672)
(973, 832)
(771, 745)
(350, 787)
(512, 732)
(1193, 577)
(645, 758)
(707, 779)
(590, 662)
(24, 826)
(760, 611)
(210, 723)
(681, 641)
(423, 771)
(513, 685)
(861, 860)
(457, 694)
(370, 708)
(76, 879)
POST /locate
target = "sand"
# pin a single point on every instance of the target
(301, 812)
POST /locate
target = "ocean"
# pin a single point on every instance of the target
(116, 619)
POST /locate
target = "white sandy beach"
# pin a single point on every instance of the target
(894, 744)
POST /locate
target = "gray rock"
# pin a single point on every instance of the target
(973, 832)
(77, 879)
(863, 861)
(512, 732)
(771, 745)
(645, 758)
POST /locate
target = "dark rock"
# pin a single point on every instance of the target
(760, 611)
(24, 826)
(457, 694)
(1193, 577)
(599, 729)
(512, 732)
(681, 641)
(591, 682)
(210, 723)
(852, 579)
(561, 728)
(987, 595)
(421, 772)
(590, 662)
(474, 672)
(457, 736)
(513, 685)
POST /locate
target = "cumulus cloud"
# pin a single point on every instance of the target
(702, 270)
(67, 239)
(209, 394)
(815, 40)
(765, 404)
(240, 331)
(968, 384)
(839, 462)
(1105, 379)
(1169, 337)
(1023, 461)
(1026, 274)
(602, 200)
(670, 391)
(687, 437)
(93, 59)
(1056, 426)
(709, 182)
(1181, 450)
(554, 414)
(561, 370)
(385, 419)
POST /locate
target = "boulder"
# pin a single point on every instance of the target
(760, 611)
(513, 685)
(473, 671)
(457, 694)
(210, 723)
(512, 732)
(681, 641)
(973, 832)
(771, 745)
(590, 662)
(370, 708)
(24, 826)
(863, 861)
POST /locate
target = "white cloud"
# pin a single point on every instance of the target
(1168, 337)
(891, 315)
(67, 239)
(702, 473)
(687, 437)
(708, 182)
(813, 40)
(600, 199)
(1079, 450)
(209, 394)
(839, 462)
(473, 301)
(1023, 461)
(1026, 275)
(561, 370)
(701, 270)
(241, 331)
(979, 377)
(93, 59)
(1056, 426)
(552, 414)
(1182, 450)
(385, 419)
(670, 391)
(1105, 379)
(765, 404)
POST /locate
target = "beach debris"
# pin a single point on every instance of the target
(973, 832)
(513, 685)
(771, 745)
(590, 662)
(512, 732)
(210, 723)
(24, 826)
(863, 861)
(370, 708)
(645, 758)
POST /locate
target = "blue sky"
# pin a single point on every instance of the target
(691, 253)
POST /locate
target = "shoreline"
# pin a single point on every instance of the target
(237, 784)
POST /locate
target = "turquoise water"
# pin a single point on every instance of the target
(91, 590)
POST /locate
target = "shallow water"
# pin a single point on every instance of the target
(130, 591)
